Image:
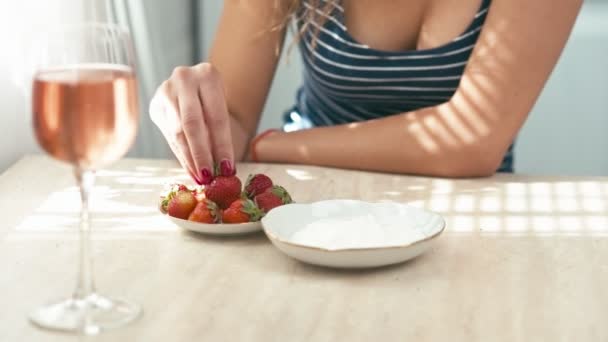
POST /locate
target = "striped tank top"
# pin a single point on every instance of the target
(346, 81)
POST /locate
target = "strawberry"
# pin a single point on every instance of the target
(223, 190)
(257, 184)
(272, 198)
(205, 212)
(241, 211)
(181, 204)
(173, 190)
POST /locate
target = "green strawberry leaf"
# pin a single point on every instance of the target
(249, 208)
(213, 208)
(281, 193)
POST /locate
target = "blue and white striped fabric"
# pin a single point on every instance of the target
(345, 81)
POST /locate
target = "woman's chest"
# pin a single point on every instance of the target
(406, 25)
(381, 74)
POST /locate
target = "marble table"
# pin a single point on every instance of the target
(523, 258)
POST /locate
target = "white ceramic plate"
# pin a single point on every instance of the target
(218, 228)
(282, 225)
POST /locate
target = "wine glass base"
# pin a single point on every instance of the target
(88, 316)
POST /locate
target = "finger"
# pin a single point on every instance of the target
(164, 115)
(184, 161)
(195, 133)
(161, 107)
(179, 155)
(174, 134)
(217, 118)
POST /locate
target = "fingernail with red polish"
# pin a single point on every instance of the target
(206, 176)
(195, 177)
(226, 168)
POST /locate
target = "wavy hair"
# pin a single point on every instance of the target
(311, 13)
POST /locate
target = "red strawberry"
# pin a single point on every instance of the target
(257, 184)
(205, 212)
(272, 198)
(174, 189)
(224, 190)
(241, 211)
(181, 205)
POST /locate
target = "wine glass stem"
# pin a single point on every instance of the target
(85, 283)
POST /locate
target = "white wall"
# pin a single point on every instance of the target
(567, 132)
(16, 135)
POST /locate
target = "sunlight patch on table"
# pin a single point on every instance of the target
(544, 224)
(442, 186)
(517, 224)
(570, 224)
(596, 223)
(440, 203)
(490, 224)
(515, 189)
(418, 204)
(567, 204)
(123, 225)
(593, 189)
(595, 205)
(540, 189)
(564, 189)
(461, 223)
(524, 225)
(110, 210)
(464, 203)
(542, 204)
(516, 204)
(149, 169)
(490, 204)
(302, 175)
(102, 201)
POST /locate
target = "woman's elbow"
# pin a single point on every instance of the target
(477, 163)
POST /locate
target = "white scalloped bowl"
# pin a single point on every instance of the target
(282, 224)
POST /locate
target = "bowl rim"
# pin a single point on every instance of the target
(216, 224)
(274, 237)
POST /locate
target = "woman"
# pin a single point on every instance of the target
(428, 87)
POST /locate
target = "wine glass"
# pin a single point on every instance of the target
(85, 112)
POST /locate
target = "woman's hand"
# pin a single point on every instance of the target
(190, 110)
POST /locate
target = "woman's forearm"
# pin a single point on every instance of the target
(413, 143)
(240, 138)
